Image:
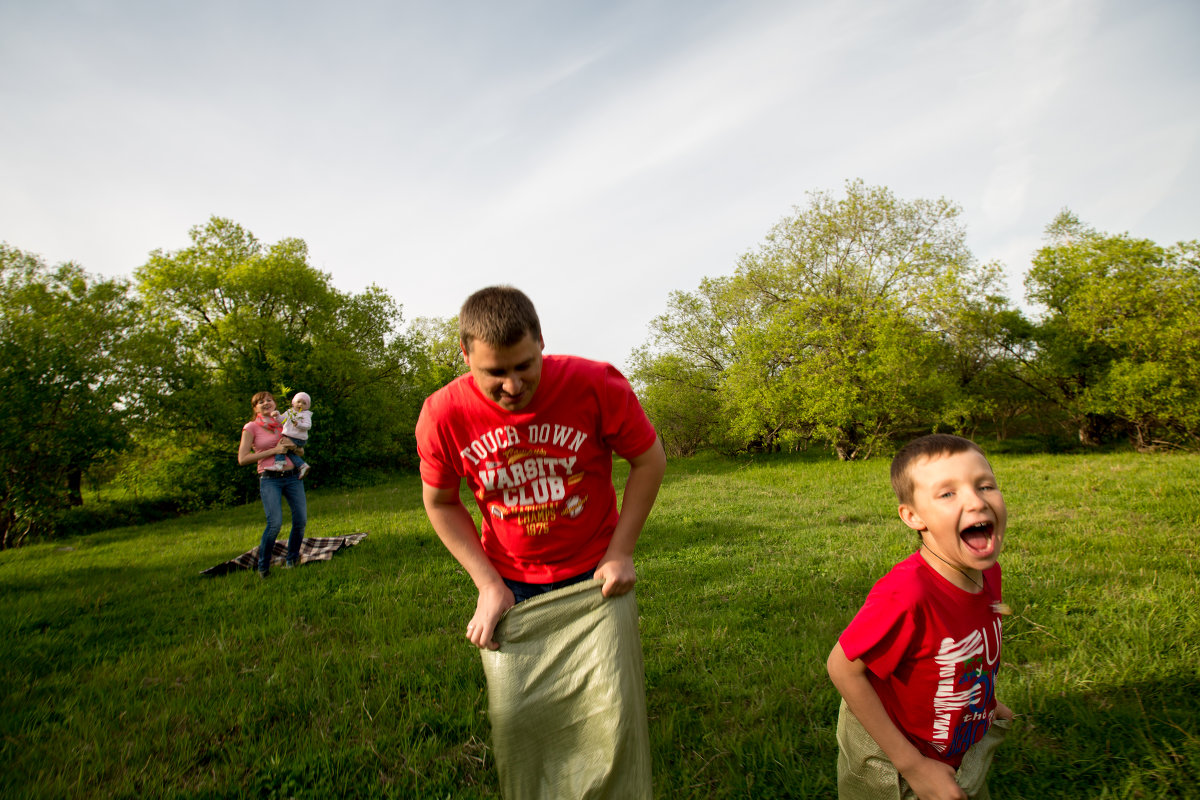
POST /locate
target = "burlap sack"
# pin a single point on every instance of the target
(567, 699)
(865, 773)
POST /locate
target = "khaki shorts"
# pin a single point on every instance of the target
(865, 773)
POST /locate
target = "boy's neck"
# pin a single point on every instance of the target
(960, 577)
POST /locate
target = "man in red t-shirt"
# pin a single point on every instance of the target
(533, 436)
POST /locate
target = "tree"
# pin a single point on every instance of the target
(1119, 343)
(63, 379)
(680, 399)
(437, 353)
(680, 373)
(843, 326)
(228, 316)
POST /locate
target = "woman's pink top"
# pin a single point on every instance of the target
(265, 439)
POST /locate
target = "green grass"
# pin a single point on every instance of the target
(124, 673)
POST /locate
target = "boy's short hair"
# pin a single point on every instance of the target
(935, 444)
(499, 316)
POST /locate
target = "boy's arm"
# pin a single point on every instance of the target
(929, 778)
(456, 529)
(641, 489)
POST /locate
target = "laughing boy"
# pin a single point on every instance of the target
(917, 665)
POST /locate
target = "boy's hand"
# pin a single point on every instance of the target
(494, 600)
(930, 779)
(618, 575)
(1003, 711)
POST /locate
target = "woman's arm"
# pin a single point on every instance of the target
(248, 455)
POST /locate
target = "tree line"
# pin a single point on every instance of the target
(144, 385)
(863, 318)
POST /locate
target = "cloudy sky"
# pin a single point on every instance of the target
(598, 155)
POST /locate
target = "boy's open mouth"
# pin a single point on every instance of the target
(978, 537)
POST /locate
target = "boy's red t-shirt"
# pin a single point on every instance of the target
(932, 652)
(541, 476)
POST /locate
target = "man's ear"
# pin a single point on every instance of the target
(466, 356)
(910, 517)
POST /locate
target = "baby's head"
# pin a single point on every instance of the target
(301, 401)
(949, 495)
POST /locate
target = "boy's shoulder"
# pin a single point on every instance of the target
(908, 578)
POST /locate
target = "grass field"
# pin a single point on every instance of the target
(124, 673)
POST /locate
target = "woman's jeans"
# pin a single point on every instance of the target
(274, 486)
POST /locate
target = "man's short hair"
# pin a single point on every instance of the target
(935, 444)
(499, 316)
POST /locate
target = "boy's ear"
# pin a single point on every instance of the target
(910, 517)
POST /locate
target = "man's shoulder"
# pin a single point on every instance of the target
(577, 371)
(452, 392)
(575, 364)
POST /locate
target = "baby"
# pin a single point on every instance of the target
(297, 421)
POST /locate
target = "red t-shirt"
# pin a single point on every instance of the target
(932, 652)
(542, 476)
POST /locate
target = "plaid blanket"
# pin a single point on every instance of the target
(311, 549)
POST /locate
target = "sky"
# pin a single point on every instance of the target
(596, 155)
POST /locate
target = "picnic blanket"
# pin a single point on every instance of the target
(567, 698)
(311, 549)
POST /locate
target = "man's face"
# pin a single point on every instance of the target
(956, 500)
(508, 376)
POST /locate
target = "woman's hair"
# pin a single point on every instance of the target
(499, 316)
(254, 401)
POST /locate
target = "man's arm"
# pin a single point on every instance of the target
(456, 529)
(929, 778)
(645, 476)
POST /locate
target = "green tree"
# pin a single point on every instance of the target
(64, 337)
(680, 373)
(1119, 343)
(228, 316)
(858, 318)
(437, 354)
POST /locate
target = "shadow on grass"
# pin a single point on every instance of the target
(1135, 740)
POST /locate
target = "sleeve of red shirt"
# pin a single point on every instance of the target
(624, 424)
(437, 465)
(881, 631)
